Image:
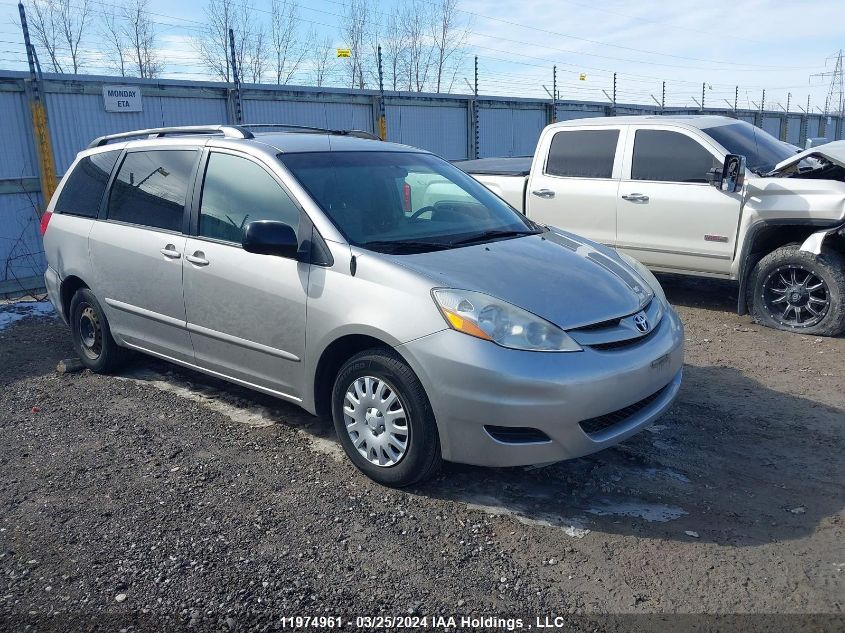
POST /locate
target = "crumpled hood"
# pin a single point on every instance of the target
(561, 277)
(834, 152)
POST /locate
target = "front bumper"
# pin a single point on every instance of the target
(472, 383)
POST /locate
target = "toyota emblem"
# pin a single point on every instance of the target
(641, 322)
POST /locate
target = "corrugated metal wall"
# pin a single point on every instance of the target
(441, 124)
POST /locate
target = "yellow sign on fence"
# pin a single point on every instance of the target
(344, 52)
(583, 76)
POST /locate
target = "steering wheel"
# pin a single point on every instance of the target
(416, 215)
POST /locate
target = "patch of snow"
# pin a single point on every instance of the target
(651, 512)
(13, 312)
(492, 506)
(251, 415)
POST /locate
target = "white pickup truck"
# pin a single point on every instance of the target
(697, 195)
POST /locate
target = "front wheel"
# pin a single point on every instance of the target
(384, 420)
(797, 291)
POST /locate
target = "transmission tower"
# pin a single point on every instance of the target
(836, 92)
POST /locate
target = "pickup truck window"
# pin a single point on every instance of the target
(670, 157)
(402, 202)
(762, 150)
(583, 153)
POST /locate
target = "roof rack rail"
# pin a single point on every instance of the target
(314, 130)
(228, 131)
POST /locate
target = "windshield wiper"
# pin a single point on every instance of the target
(393, 246)
(492, 234)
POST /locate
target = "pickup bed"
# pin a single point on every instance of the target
(696, 195)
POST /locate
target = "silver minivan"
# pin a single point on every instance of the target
(367, 281)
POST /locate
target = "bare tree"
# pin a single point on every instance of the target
(114, 39)
(44, 24)
(322, 57)
(288, 51)
(141, 35)
(256, 54)
(58, 27)
(355, 29)
(213, 45)
(394, 48)
(448, 37)
(415, 27)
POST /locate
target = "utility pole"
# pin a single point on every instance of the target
(382, 118)
(703, 86)
(239, 117)
(40, 128)
(763, 102)
(736, 98)
(554, 94)
(788, 100)
(836, 91)
(663, 99)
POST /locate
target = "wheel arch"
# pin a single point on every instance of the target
(332, 359)
(67, 289)
(764, 237)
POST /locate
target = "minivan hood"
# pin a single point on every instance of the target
(561, 277)
(834, 152)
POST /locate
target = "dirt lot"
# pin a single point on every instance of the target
(161, 499)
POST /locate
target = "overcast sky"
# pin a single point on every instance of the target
(753, 44)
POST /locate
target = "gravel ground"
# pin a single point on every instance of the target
(161, 499)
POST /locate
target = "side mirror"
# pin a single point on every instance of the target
(268, 237)
(733, 173)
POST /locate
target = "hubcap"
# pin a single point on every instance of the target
(376, 421)
(90, 333)
(796, 297)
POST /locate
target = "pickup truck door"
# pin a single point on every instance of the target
(574, 180)
(668, 216)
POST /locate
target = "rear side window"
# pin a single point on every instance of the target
(583, 153)
(238, 191)
(151, 188)
(669, 157)
(83, 191)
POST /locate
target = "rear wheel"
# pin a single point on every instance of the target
(384, 420)
(92, 337)
(798, 291)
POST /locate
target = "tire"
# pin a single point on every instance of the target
(385, 385)
(91, 334)
(772, 285)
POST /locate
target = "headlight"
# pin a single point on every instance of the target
(492, 319)
(646, 275)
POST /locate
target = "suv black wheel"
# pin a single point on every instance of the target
(384, 419)
(797, 291)
(92, 337)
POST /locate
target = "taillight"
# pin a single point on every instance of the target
(45, 220)
(406, 197)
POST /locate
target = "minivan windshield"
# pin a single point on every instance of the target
(404, 202)
(762, 150)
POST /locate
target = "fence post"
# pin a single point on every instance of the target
(40, 127)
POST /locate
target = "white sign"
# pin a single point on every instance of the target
(122, 98)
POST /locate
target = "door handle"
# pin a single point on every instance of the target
(543, 193)
(635, 197)
(198, 258)
(170, 252)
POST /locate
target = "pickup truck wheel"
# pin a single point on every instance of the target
(384, 420)
(797, 291)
